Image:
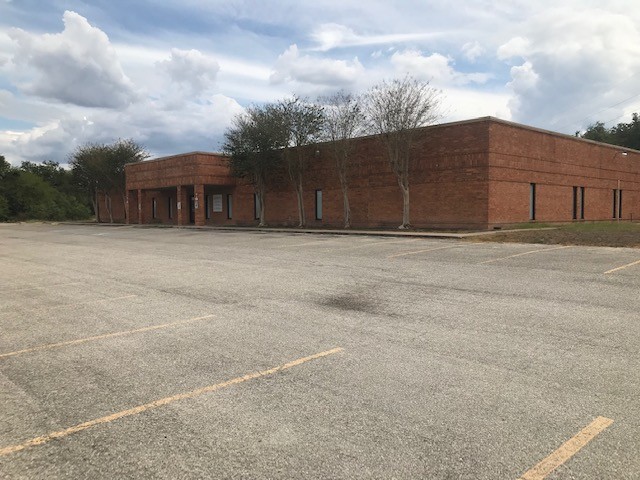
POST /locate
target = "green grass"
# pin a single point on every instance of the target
(602, 227)
(530, 225)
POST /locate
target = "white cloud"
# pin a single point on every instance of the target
(195, 125)
(77, 66)
(472, 51)
(329, 36)
(515, 47)
(291, 66)
(435, 68)
(192, 69)
(572, 63)
(463, 104)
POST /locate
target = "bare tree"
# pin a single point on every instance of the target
(254, 143)
(395, 110)
(343, 120)
(304, 122)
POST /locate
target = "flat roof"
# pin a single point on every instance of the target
(439, 125)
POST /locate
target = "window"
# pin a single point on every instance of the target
(617, 203)
(532, 201)
(256, 206)
(575, 203)
(170, 208)
(581, 203)
(318, 204)
(216, 203)
(154, 208)
(207, 202)
(229, 206)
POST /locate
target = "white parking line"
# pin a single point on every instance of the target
(415, 252)
(622, 267)
(530, 252)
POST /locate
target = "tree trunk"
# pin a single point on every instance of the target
(261, 198)
(107, 204)
(404, 187)
(345, 202)
(96, 205)
(300, 197)
(124, 205)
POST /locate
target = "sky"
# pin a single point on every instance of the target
(172, 74)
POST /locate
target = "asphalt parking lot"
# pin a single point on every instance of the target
(131, 352)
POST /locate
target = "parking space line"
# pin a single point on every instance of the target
(77, 341)
(371, 244)
(162, 402)
(622, 267)
(567, 450)
(415, 252)
(530, 252)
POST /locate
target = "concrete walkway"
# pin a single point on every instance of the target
(320, 231)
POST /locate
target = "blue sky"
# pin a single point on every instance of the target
(172, 74)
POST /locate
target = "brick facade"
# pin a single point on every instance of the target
(472, 174)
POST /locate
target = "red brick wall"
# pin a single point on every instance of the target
(187, 169)
(556, 163)
(448, 183)
(473, 174)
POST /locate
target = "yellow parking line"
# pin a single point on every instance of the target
(161, 402)
(525, 253)
(49, 346)
(567, 450)
(415, 252)
(622, 267)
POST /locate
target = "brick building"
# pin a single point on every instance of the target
(480, 173)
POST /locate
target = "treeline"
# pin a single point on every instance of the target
(622, 134)
(47, 191)
(40, 191)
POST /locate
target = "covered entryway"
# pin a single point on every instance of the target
(180, 190)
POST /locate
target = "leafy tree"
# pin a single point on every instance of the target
(628, 134)
(622, 134)
(343, 121)
(99, 168)
(88, 164)
(5, 168)
(55, 175)
(394, 111)
(254, 143)
(304, 123)
(597, 132)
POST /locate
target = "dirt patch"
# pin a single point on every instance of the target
(605, 234)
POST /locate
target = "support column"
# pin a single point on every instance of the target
(200, 207)
(181, 205)
(141, 200)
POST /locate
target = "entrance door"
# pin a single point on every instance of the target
(192, 209)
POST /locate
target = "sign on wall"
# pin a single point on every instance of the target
(217, 203)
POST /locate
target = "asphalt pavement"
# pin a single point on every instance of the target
(130, 352)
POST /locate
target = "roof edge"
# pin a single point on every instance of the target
(178, 155)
